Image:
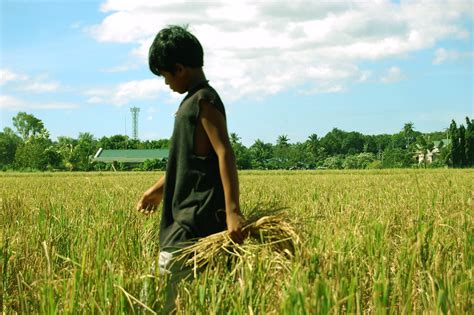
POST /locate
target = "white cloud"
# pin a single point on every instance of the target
(75, 25)
(257, 48)
(324, 88)
(442, 55)
(128, 92)
(393, 74)
(37, 84)
(121, 68)
(364, 76)
(138, 90)
(7, 75)
(332, 89)
(12, 103)
(95, 100)
(41, 87)
(152, 110)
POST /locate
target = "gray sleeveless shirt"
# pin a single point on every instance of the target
(193, 200)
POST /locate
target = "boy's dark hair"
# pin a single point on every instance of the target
(172, 45)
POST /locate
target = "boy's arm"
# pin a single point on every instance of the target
(214, 124)
(151, 197)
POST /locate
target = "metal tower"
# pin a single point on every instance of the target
(135, 111)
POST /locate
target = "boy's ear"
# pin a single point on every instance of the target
(179, 69)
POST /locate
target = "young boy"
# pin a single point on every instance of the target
(200, 190)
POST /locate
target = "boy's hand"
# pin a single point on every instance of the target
(235, 223)
(148, 203)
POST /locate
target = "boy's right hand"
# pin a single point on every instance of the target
(152, 197)
(148, 203)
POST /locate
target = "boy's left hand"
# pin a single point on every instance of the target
(235, 223)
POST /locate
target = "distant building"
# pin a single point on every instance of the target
(430, 155)
(129, 156)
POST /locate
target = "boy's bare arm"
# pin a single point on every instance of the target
(151, 197)
(214, 124)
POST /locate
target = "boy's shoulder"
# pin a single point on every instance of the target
(207, 93)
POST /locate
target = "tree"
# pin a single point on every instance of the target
(300, 157)
(85, 149)
(9, 142)
(381, 143)
(444, 157)
(243, 159)
(370, 144)
(27, 125)
(152, 144)
(313, 143)
(341, 142)
(396, 158)
(469, 142)
(409, 134)
(155, 164)
(70, 157)
(365, 159)
(314, 149)
(332, 142)
(261, 153)
(281, 153)
(282, 141)
(334, 162)
(456, 150)
(462, 146)
(134, 144)
(116, 142)
(234, 138)
(352, 143)
(397, 141)
(358, 161)
(37, 153)
(350, 162)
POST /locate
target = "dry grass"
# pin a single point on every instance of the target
(273, 234)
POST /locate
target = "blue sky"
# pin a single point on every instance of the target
(281, 67)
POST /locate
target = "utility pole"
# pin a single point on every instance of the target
(135, 111)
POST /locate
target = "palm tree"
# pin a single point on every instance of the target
(282, 141)
(408, 132)
(313, 143)
(234, 138)
(313, 147)
(261, 152)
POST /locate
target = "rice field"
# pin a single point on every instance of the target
(385, 241)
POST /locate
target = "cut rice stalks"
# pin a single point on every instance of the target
(272, 234)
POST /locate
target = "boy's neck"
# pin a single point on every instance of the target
(196, 76)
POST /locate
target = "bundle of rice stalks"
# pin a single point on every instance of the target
(272, 234)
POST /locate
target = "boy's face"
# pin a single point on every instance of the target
(176, 81)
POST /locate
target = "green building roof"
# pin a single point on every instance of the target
(130, 156)
(443, 142)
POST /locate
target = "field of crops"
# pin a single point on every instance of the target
(372, 241)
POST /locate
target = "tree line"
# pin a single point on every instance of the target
(29, 147)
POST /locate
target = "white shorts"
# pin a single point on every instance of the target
(164, 262)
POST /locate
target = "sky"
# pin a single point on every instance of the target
(291, 68)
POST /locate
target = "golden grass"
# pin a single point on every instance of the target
(272, 233)
(385, 241)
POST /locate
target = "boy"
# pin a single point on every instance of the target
(200, 189)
